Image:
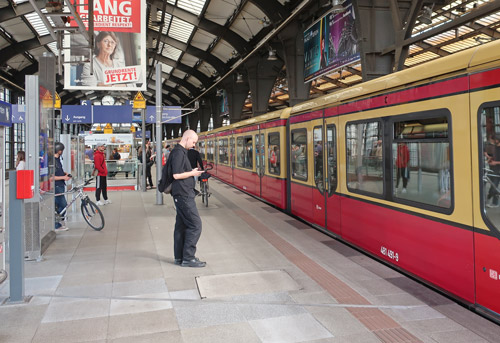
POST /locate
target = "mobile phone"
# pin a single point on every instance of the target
(69, 175)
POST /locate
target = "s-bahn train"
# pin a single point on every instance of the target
(404, 167)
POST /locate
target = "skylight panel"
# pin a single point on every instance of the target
(180, 30)
(36, 22)
(166, 68)
(171, 52)
(193, 6)
(53, 47)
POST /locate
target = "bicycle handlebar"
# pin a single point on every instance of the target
(209, 166)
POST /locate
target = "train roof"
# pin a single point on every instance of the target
(456, 63)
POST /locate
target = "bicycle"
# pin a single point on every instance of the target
(488, 177)
(91, 213)
(204, 189)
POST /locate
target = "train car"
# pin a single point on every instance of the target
(406, 167)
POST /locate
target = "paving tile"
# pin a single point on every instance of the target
(85, 330)
(338, 321)
(137, 324)
(140, 303)
(207, 314)
(122, 289)
(261, 306)
(289, 329)
(160, 337)
(239, 332)
(460, 336)
(72, 309)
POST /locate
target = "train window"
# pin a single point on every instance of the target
(331, 155)
(202, 149)
(490, 147)
(216, 150)
(231, 151)
(259, 153)
(223, 151)
(421, 161)
(273, 153)
(364, 169)
(299, 154)
(210, 150)
(318, 157)
(244, 152)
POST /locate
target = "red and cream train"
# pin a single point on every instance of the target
(395, 166)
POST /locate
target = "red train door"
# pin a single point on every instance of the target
(331, 181)
(259, 159)
(319, 176)
(232, 150)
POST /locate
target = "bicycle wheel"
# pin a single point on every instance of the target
(92, 215)
(205, 192)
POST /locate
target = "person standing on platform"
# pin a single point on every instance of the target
(21, 160)
(102, 169)
(187, 230)
(60, 178)
(402, 159)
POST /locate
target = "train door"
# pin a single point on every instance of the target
(231, 158)
(485, 114)
(259, 160)
(330, 157)
(319, 176)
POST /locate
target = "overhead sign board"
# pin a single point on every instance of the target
(112, 114)
(109, 139)
(5, 112)
(330, 43)
(119, 26)
(169, 115)
(76, 114)
(18, 114)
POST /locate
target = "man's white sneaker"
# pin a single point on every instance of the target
(61, 229)
(100, 203)
(108, 202)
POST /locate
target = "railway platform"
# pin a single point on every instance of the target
(269, 278)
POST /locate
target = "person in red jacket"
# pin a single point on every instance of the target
(100, 165)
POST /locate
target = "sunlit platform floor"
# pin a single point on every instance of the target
(269, 278)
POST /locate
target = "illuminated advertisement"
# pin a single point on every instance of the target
(119, 54)
(330, 43)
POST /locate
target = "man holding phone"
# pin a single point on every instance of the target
(60, 179)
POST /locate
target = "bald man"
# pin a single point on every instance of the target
(187, 222)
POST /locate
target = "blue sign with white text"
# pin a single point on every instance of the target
(18, 114)
(5, 111)
(76, 114)
(169, 115)
(112, 114)
(138, 134)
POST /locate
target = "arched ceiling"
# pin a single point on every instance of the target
(198, 42)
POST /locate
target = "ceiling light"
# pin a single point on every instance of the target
(220, 92)
(272, 55)
(425, 16)
(265, 22)
(239, 78)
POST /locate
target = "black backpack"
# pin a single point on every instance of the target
(165, 183)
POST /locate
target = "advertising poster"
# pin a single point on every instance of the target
(224, 106)
(330, 43)
(119, 55)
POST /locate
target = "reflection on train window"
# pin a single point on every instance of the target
(273, 153)
(202, 149)
(210, 150)
(231, 151)
(244, 152)
(421, 161)
(216, 143)
(299, 154)
(331, 155)
(259, 153)
(364, 169)
(490, 146)
(318, 157)
(223, 151)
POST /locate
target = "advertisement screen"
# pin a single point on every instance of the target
(118, 59)
(330, 43)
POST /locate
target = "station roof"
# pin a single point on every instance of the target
(199, 42)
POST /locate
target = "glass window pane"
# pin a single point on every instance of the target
(299, 154)
(248, 159)
(210, 150)
(202, 149)
(421, 161)
(318, 157)
(331, 146)
(274, 153)
(223, 156)
(363, 171)
(240, 151)
(490, 145)
(231, 152)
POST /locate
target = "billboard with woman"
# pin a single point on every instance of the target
(118, 58)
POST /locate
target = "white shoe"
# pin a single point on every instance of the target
(492, 205)
(403, 191)
(107, 202)
(61, 229)
(100, 203)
